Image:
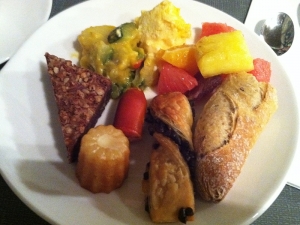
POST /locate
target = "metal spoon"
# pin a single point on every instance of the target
(278, 32)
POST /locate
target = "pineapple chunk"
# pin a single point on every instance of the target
(223, 53)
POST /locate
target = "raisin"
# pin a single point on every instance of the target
(184, 213)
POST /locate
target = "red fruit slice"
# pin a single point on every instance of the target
(174, 79)
(262, 70)
(214, 28)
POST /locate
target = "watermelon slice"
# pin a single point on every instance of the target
(214, 28)
(262, 70)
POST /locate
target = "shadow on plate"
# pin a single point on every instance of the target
(298, 14)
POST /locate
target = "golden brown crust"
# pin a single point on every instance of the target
(103, 160)
(227, 130)
(174, 110)
(170, 187)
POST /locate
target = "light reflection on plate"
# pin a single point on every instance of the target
(19, 19)
(33, 157)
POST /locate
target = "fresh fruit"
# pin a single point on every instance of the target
(130, 113)
(173, 79)
(262, 70)
(160, 28)
(214, 28)
(223, 53)
(205, 86)
(182, 57)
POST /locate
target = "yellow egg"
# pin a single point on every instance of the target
(159, 24)
(156, 27)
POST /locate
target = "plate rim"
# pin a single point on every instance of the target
(276, 193)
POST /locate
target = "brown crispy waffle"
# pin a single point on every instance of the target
(81, 96)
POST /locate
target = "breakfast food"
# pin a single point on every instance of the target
(167, 184)
(171, 114)
(262, 70)
(183, 56)
(174, 79)
(227, 130)
(113, 52)
(223, 53)
(167, 18)
(210, 28)
(81, 96)
(161, 28)
(126, 53)
(130, 113)
(132, 56)
(88, 40)
(103, 159)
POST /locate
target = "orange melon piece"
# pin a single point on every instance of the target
(182, 57)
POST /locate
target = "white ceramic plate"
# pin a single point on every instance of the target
(19, 19)
(33, 156)
(255, 15)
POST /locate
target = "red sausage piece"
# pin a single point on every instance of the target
(130, 113)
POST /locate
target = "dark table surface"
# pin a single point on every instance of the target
(285, 209)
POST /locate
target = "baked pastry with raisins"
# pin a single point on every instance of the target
(167, 184)
(171, 114)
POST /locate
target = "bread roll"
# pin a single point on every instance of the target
(227, 130)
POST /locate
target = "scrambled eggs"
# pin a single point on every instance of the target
(127, 53)
(113, 52)
(160, 28)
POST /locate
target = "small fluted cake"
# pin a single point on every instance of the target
(103, 159)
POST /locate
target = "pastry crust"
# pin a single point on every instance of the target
(227, 130)
(170, 188)
(174, 110)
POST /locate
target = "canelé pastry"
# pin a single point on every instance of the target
(167, 184)
(103, 159)
(227, 130)
(81, 96)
